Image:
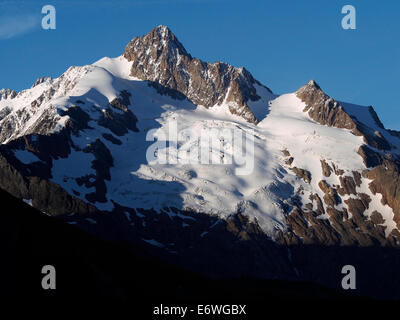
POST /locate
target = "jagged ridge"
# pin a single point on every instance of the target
(159, 56)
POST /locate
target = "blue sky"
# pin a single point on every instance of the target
(283, 43)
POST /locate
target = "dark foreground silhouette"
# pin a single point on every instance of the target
(89, 270)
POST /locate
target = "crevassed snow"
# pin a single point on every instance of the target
(210, 188)
(215, 188)
(288, 127)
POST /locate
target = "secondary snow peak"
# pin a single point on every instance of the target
(361, 121)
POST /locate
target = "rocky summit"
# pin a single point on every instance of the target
(161, 58)
(323, 189)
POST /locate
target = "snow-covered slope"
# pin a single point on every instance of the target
(116, 118)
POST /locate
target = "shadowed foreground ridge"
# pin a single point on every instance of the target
(88, 268)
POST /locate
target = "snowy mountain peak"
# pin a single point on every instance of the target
(313, 83)
(160, 41)
(160, 58)
(361, 121)
(167, 37)
(156, 139)
(312, 88)
(88, 131)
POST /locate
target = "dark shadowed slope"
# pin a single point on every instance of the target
(89, 269)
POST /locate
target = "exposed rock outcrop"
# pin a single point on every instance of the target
(119, 123)
(102, 164)
(7, 94)
(41, 80)
(159, 57)
(326, 168)
(46, 195)
(348, 186)
(331, 197)
(302, 174)
(327, 111)
(386, 181)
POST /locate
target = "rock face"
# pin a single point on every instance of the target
(323, 108)
(7, 94)
(326, 169)
(160, 57)
(41, 80)
(386, 181)
(327, 111)
(331, 197)
(119, 122)
(32, 181)
(344, 203)
(345, 222)
(301, 173)
(30, 113)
